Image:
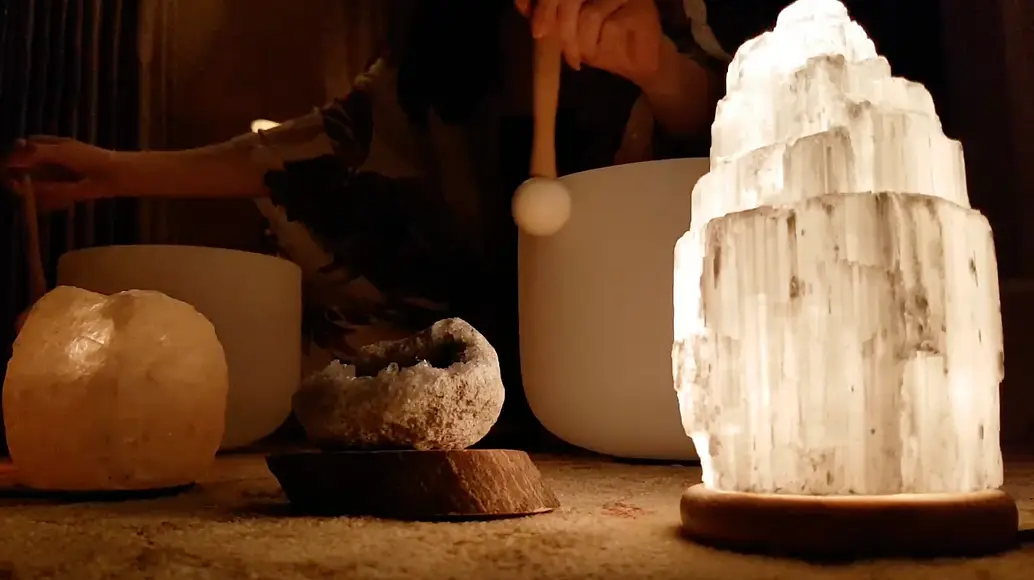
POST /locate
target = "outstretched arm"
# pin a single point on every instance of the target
(339, 133)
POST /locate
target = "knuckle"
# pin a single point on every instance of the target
(611, 29)
(592, 15)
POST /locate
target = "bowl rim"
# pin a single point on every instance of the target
(636, 165)
(180, 248)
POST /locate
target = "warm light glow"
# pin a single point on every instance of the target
(263, 125)
(93, 338)
(829, 339)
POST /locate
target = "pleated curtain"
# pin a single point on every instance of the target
(69, 68)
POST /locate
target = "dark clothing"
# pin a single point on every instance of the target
(400, 217)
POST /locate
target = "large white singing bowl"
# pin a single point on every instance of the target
(596, 311)
(253, 300)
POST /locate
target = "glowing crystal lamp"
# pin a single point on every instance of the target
(837, 323)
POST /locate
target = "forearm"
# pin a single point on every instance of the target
(682, 93)
(215, 171)
(234, 169)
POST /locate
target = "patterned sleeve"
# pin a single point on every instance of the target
(305, 159)
(686, 22)
(351, 203)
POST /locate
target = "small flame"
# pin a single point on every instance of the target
(263, 125)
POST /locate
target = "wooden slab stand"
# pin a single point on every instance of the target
(414, 485)
(816, 527)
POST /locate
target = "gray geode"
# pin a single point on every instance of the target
(439, 389)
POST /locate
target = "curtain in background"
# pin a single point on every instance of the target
(100, 71)
(68, 68)
(353, 37)
(200, 83)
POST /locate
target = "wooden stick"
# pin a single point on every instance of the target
(547, 92)
(33, 256)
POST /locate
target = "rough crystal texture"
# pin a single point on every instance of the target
(828, 339)
(804, 29)
(440, 389)
(120, 392)
(847, 338)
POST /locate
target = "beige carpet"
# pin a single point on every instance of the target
(618, 521)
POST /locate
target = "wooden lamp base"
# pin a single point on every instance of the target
(849, 527)
(414, 485)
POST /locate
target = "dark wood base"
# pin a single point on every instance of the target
(842, 527)
(414, 485)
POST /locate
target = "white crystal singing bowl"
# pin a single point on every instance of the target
(596, 311)
(253, 300)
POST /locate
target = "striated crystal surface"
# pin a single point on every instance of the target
(120, 392)
(831, 338)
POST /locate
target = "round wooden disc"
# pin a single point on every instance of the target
(963, 524)
(414, 485)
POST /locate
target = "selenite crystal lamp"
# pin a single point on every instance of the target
(838, 337)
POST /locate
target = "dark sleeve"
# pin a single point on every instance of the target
(346, 202)
(733, 22)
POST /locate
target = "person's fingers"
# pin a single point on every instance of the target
(567, 30)
(56, 162)
(56, 196)
(642, 41)
(590, 25)
(615, 38)
(48, 140)
(28, 154)
(543, 21)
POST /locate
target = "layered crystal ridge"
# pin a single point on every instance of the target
(833, 226)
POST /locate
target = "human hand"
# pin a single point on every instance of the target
(19, 322)
(64, 171)
(623, 37)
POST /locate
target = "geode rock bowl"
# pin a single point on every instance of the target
(439, 389)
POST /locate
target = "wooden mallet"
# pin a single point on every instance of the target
(33, 258)
(542, 204)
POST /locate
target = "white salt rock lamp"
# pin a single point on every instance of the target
(220, 283)
(838, 338)
(120, 392)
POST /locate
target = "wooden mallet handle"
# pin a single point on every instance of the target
(547, 91)
(33, 257)
(542, 205)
